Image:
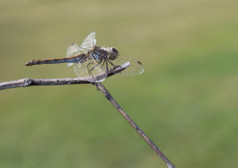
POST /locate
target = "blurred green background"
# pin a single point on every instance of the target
(185, 101)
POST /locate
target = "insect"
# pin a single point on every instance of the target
(90, 60)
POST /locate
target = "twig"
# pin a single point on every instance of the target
(134, 125)
(60, 81)
(69, 81)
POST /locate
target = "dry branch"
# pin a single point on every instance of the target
(60, 81)
(69, 81)
(134, 125)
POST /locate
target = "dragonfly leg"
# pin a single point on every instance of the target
(107, 65)
(89, 71)
(88, 68)
(96, 65)
(112, 63)
(98, 62)
(114, 66)
(103, 62)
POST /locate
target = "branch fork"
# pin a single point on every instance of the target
(70, 81)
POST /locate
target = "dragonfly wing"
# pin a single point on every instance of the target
(90, 70)
(89, 42)
(135, 68)
(72, 51)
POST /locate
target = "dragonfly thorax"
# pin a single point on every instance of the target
(99, 53)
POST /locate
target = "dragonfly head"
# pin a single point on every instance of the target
(113, 53)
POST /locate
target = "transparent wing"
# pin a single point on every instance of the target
(135, 68)
(72, 51)
(89, 42)
(90, 70)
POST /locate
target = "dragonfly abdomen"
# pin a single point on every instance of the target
(74, 59)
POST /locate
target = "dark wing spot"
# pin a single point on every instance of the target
(139, 62)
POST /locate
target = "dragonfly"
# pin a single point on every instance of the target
(89, 60)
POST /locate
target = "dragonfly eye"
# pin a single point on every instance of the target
(113, 53)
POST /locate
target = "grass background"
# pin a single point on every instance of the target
(186, 100)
